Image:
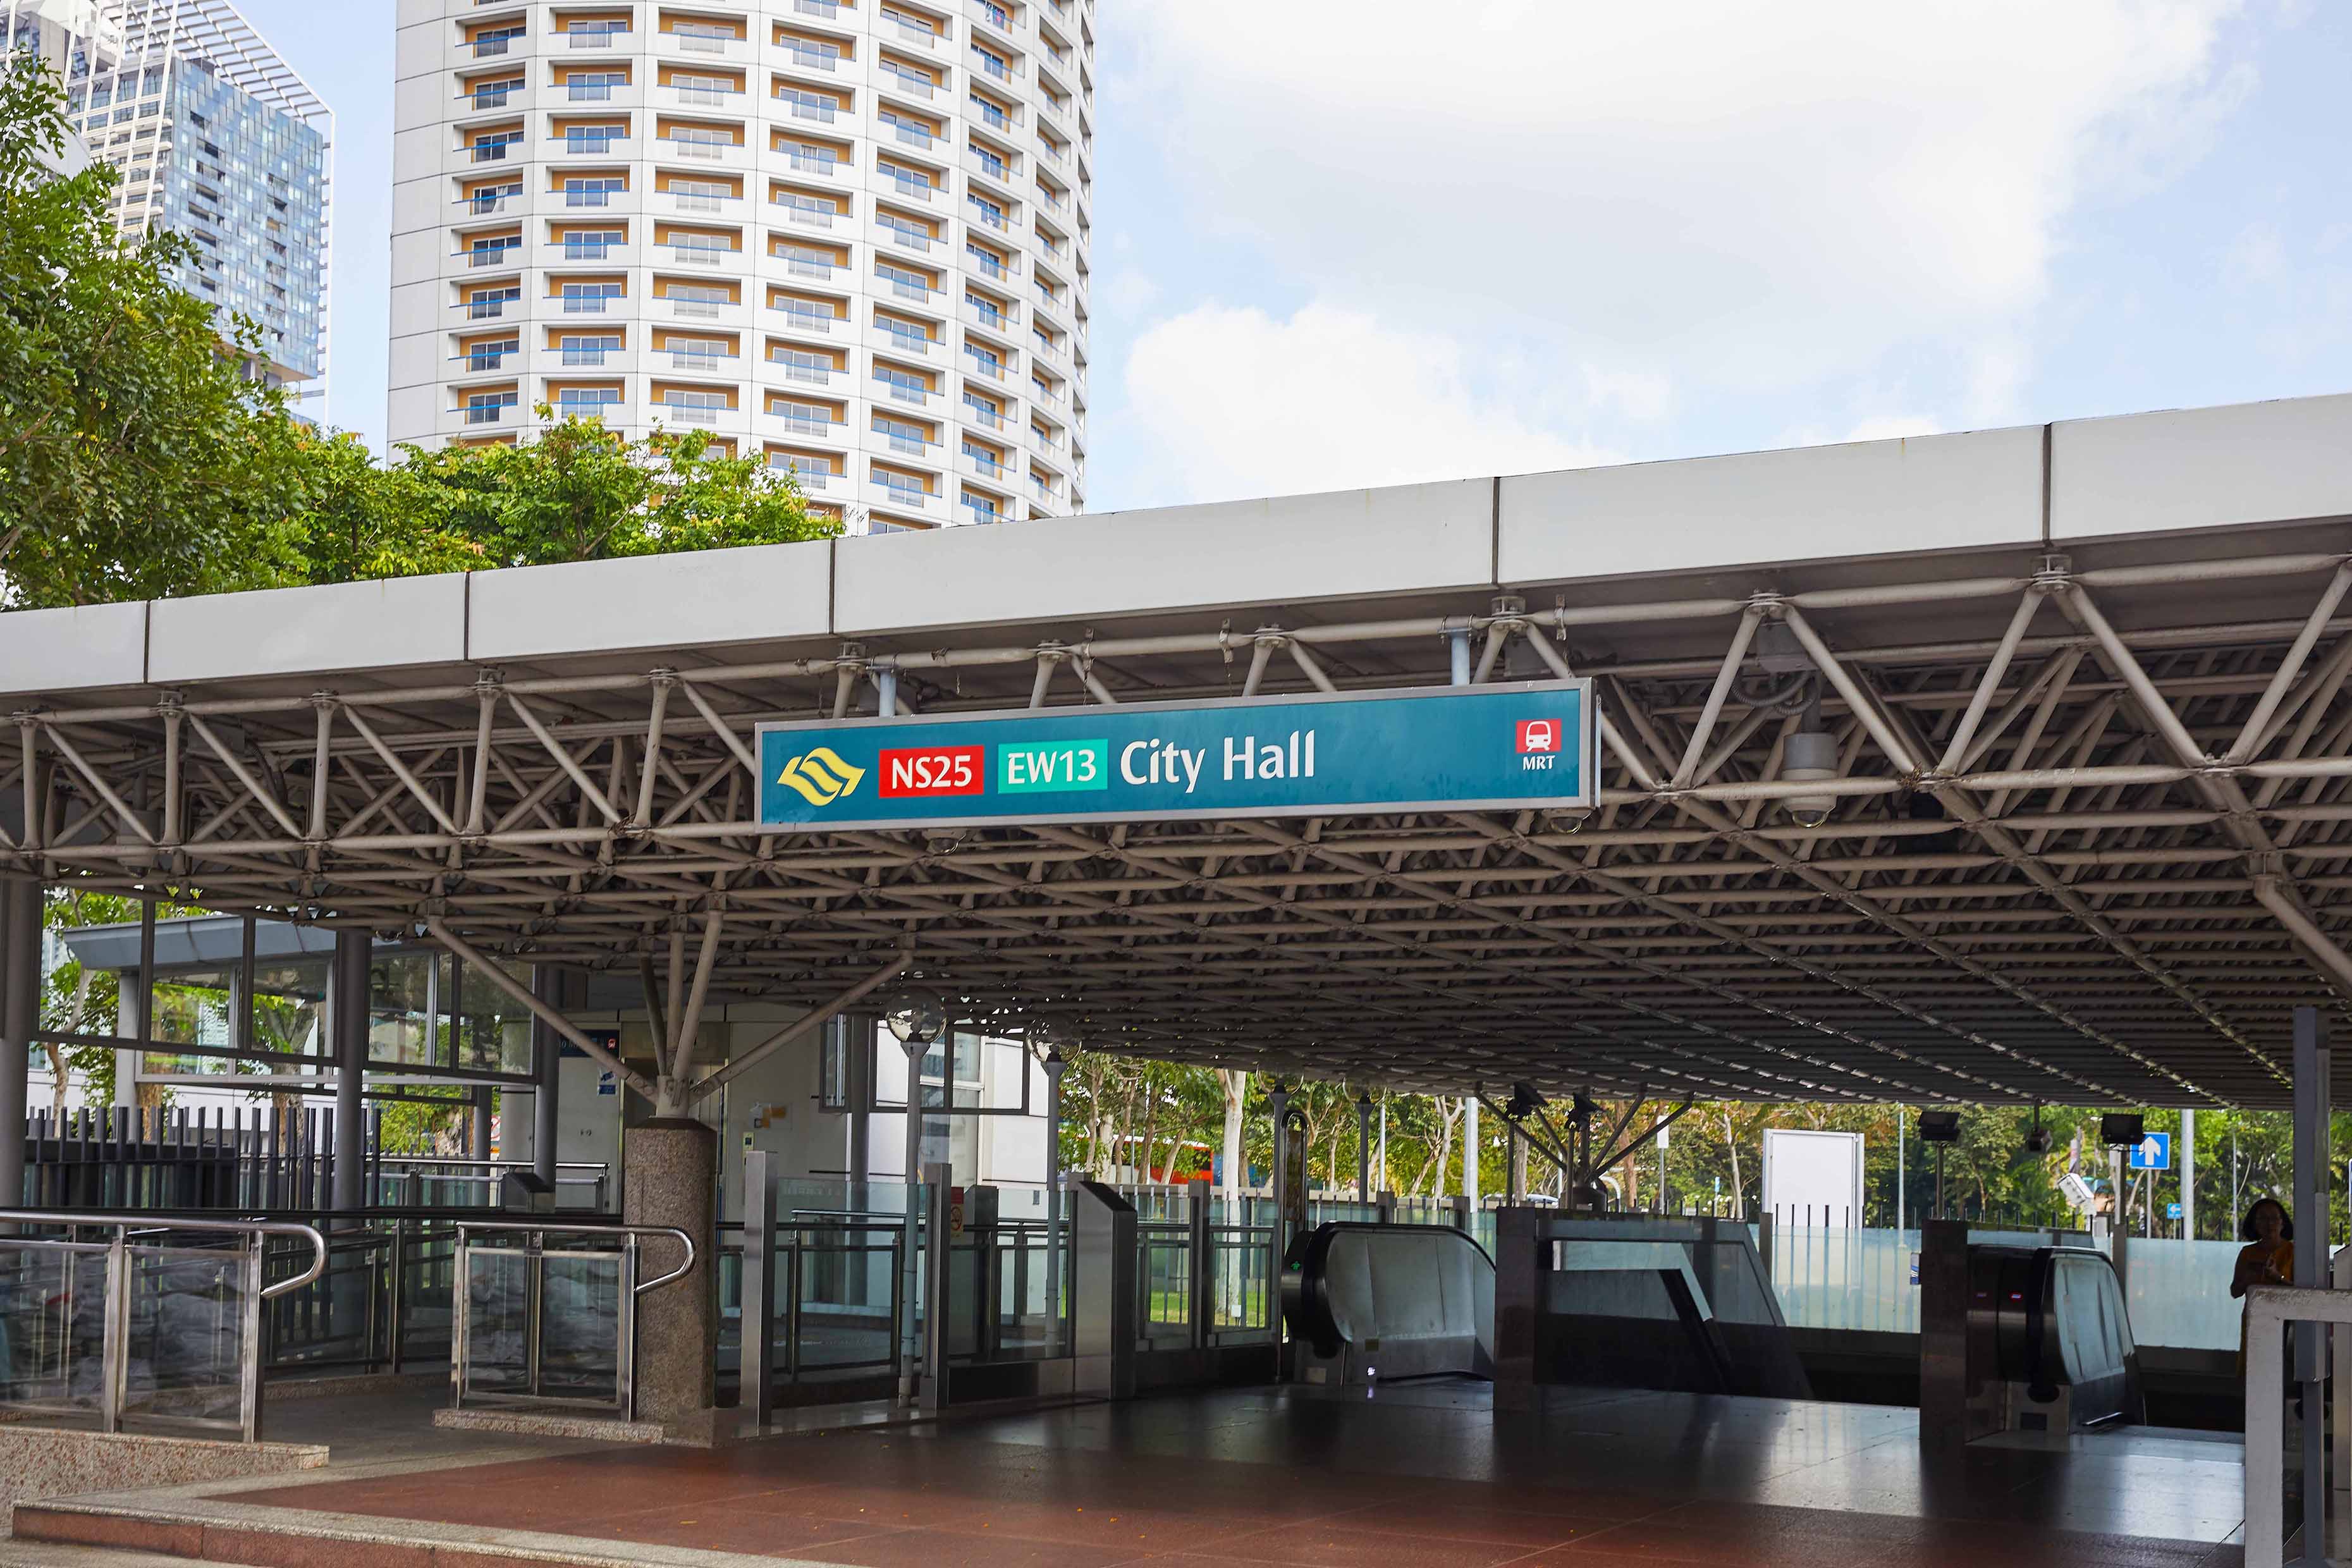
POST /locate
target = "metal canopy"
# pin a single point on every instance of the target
(2082, 842)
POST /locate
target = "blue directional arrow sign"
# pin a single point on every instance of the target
(2152, 1153)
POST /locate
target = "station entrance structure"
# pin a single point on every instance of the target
(2005, 766)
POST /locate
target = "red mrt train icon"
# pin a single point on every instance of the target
(927, 770)
(1538, 736)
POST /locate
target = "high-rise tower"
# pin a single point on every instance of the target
(848, 234)
(217, 139)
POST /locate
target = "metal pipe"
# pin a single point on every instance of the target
(2291, 664)
(1702, 732)
(497, 975)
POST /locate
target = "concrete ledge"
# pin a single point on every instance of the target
(599, 1428)
(354, 1382)
(44, 1462)
(216, 1532)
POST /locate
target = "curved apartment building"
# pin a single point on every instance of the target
(848, 234)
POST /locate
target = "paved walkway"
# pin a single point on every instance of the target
(1428, 1476)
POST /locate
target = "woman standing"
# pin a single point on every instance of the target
(2267, 1258)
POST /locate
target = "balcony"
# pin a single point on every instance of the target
(809, 370)
(704, 48)
(696, 150)
(903, 288)
(825, 166)
(804, 105)
(588, 304)
(910, 134)
(810, 478)
(680, 201)
(505, 358)
(578, 39)
(979, 513)
(813, 57)
(982, 365)
(902, 339)
(990, 114)
(725, 312)
(922, 37)
(603, 359)
(510, 95)
(899, 387)
(978, 313)
(902, 492)
(996, 16)
(482, 257)
(987, 265)
(904, 187)
(903, 234)
(910, 83)
(806, 211)
(689, 255)
(686, 94)
(815, 323)
(578, 249)
(979, 212)
(577, 145)
(990, 65)
(825, 9)
(699, 361)
(981, 414)
(800, 423)
(496, 310)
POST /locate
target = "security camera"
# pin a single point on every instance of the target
(2038, 1140)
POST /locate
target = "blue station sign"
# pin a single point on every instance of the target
(1507, 746)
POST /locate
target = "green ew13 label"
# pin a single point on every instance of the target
(1037, 767)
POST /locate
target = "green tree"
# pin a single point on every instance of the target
(576, 491)
(136, 457)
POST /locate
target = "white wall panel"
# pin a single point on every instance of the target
(293, 631)
(700, 599)
(1933, 492)
(2201, 467)
(57, 651)
(1290, 549)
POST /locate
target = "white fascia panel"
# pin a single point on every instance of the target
(2201, 467)
(82, 648)
(700, 598)
(1969, 490)
(1288, 549)
(403, 621)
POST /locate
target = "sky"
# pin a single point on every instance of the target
(1342, 243)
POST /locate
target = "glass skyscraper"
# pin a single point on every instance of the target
(218, 140)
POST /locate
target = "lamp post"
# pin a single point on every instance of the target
(917, 1018)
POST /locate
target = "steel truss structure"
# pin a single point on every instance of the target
(2080, 846)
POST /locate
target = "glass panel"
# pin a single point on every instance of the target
(1165, 1276)
(400, 985)
(848, 1284)
(185, 1359)
(289, 999)
(52, 1325)
(2179, 1293)
(580, 1326)
(494, 1034)
(496, 1321)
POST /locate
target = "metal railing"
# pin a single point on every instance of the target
(508, 1347)
(178, 1329)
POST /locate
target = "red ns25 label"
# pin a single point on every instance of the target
(927, 770)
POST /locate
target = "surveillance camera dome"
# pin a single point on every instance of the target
(1808, 755)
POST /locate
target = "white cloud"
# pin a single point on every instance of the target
(1231, 401)
(1749, 197)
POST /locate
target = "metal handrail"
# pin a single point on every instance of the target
(680, 1272)
(146, 1221)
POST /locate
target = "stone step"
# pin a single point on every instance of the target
(42, 1554)
(116, 1537)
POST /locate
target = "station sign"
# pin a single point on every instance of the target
(1517, 745)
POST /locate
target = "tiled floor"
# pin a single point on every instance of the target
(1427, 1475)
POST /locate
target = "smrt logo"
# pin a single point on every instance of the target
(821, 776)
(1539, 736)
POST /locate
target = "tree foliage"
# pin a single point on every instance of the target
(138, 460)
